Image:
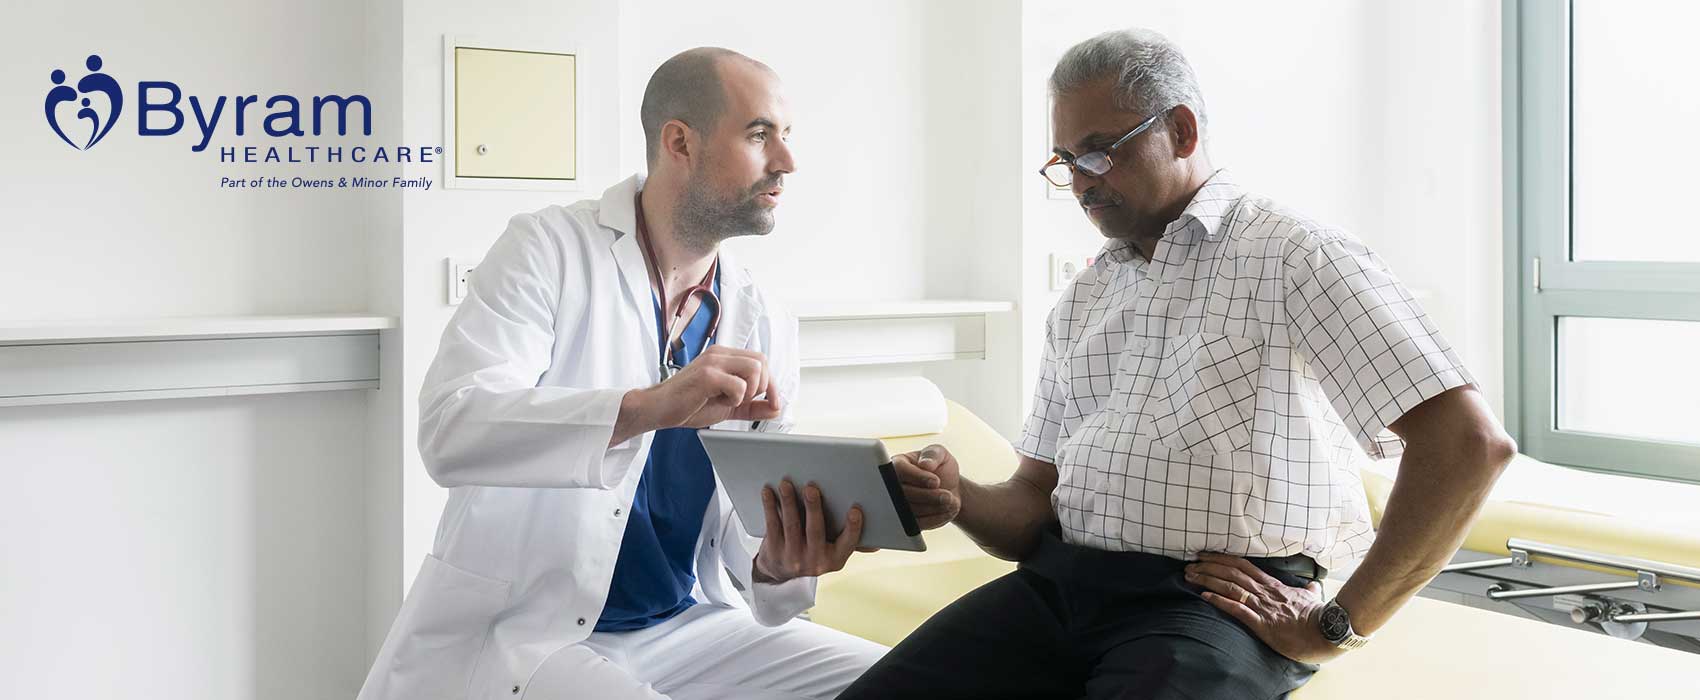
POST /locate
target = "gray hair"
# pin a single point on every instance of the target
(1149, 71)
(686, 87)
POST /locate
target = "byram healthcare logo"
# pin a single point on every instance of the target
(83, 115)
(95, 83)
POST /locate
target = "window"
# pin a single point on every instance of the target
(1603, 234)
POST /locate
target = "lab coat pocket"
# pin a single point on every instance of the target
(448, 615)
(1205, 393)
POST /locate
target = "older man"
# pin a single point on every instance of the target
(587, 549)
(1207, 391)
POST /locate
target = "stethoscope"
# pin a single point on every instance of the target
(673, 329)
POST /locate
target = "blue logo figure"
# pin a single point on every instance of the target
(95, 81)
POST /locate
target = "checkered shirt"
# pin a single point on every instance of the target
(1222, 396)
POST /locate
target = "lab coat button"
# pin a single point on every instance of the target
(516, 690)
(616, 512)
(711, 542)
(581, 622)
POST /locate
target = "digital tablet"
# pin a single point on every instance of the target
(848, 471)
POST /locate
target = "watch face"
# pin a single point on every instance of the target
(1336, 624)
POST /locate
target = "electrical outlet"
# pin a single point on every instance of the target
(460, 275)
(1064, 268)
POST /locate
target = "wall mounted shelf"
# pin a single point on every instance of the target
(44, 363)
(842, 334)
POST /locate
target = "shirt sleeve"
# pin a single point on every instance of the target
(772, 604)
(1044, 423)
(1375, 351)
(483, 419)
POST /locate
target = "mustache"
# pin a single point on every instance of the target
(1093, 197)
(767, 183)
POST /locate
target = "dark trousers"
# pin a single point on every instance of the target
(1074, 622)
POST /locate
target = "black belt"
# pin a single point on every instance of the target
(1084, 565)
(1298, 565)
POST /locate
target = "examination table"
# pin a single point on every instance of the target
(1432, 649)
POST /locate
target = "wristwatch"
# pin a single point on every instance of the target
(1336, 626)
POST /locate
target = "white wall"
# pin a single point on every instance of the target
(386, 446)
(1440, 222)
(851, 223)
(107, 231)
(196, 548)
(199, 548)
(975, 164)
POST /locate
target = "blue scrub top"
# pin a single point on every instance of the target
(656, 568)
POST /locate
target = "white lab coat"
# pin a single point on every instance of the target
(515, 417)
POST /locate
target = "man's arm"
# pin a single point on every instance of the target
(1383, 364)
(483, 419)
(1007, 519)
(1455, 450)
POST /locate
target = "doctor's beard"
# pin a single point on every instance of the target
(702, 219)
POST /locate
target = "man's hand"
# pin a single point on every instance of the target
(1280, 615)
(720, 384)
(795, 544)
(932, 483)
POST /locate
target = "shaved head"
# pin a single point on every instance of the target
(688, 87)
(715, 127)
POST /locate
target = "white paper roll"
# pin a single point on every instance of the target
(875, 407)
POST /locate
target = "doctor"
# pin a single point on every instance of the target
(585, 548)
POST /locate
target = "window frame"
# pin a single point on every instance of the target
(1543, 284)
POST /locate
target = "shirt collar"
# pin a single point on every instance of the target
(1207, 209)
(615, 210)
(1203, 214)
(1119, 250)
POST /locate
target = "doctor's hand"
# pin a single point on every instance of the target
(932, 483)
(1283, 616)
(720, 384)
(796, 544)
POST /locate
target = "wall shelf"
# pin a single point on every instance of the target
(843, 334)
(124, 360)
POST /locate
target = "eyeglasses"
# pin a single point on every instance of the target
(1060, 171)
